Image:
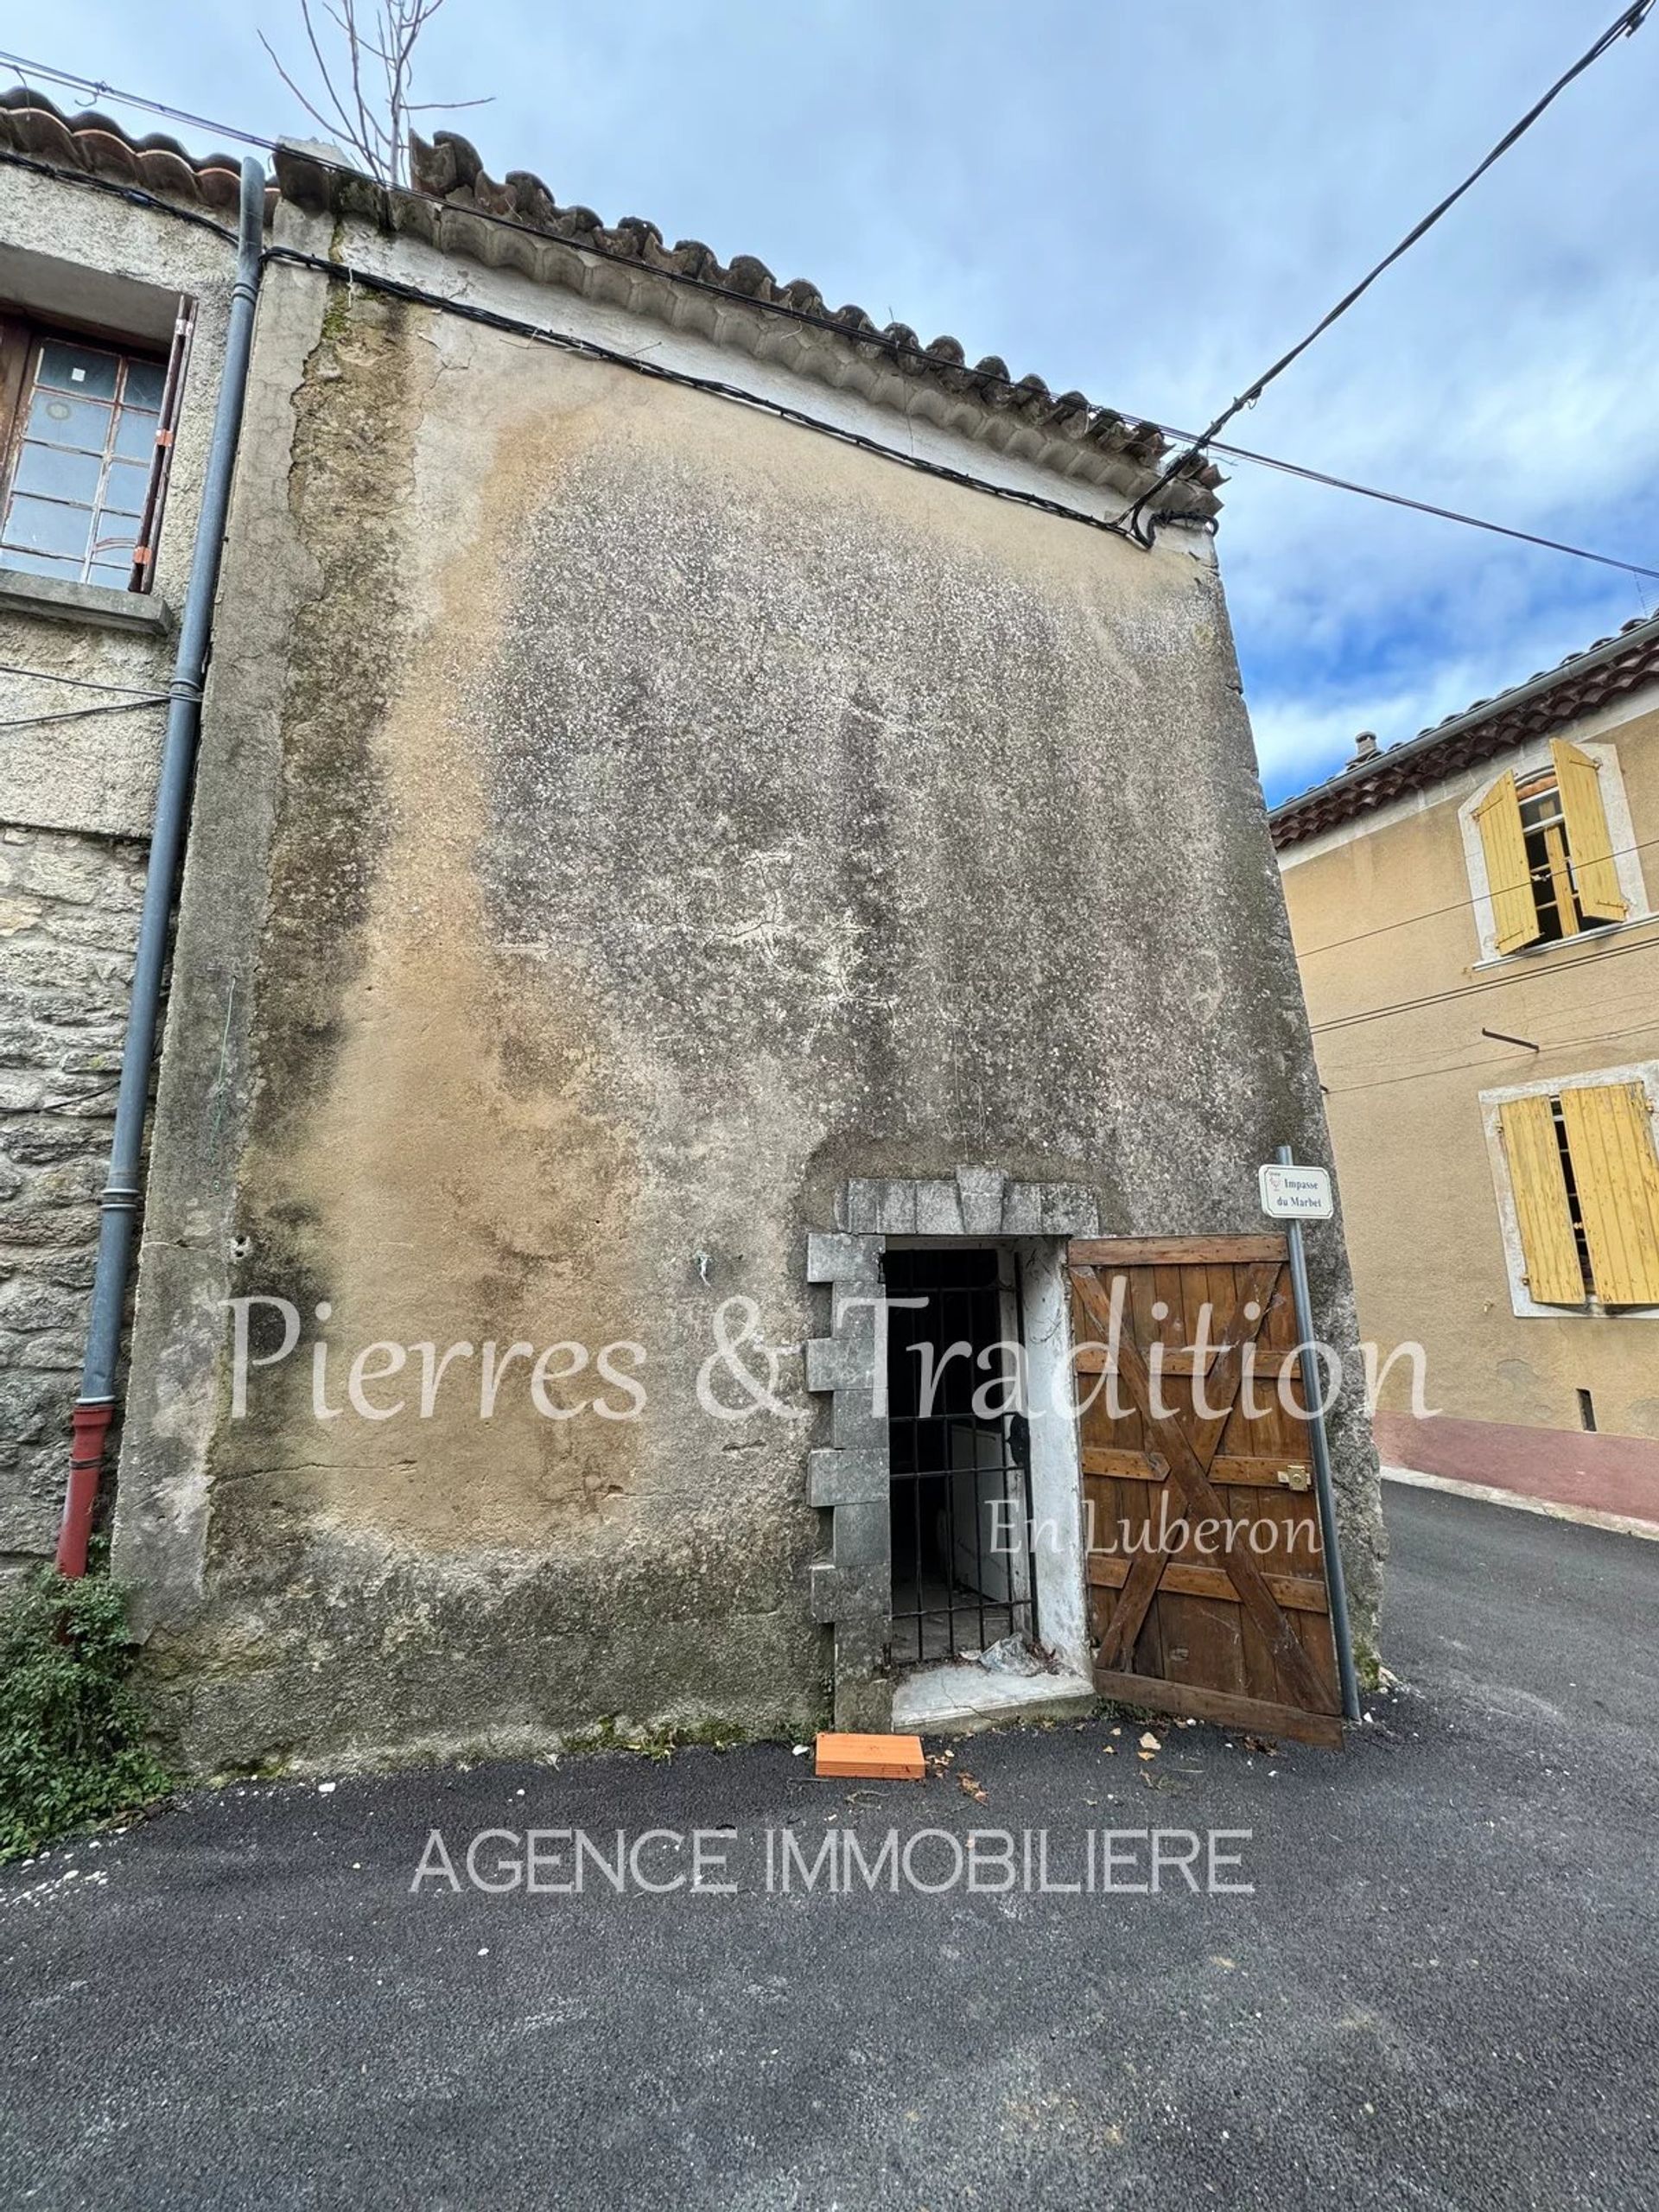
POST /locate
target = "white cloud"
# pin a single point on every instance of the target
(1150, 202)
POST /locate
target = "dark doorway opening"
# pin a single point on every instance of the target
(962, 1569)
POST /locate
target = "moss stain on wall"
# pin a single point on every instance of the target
(427, 1156)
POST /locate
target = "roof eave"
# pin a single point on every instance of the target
(455, 208)
(1441, 751)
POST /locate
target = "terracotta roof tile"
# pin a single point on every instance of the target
(456, 205)
(99, 147)
(1576, 686)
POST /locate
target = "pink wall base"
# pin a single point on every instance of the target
(1614, 1474)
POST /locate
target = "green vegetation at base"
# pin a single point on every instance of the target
(74, 1747)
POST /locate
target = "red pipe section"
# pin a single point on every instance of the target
(89, 1425)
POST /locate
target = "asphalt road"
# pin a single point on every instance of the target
(1441, 1993)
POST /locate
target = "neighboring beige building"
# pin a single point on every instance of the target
(1474, 915)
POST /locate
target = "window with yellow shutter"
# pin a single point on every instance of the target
(1552, 1257)
(1551, 869)
(1583, 1167)
(1607, 1132)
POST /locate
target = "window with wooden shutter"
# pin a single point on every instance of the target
(1610, 1141)
(1550, 1247)
(1589, 847)
(87, 433)
(1509, 868)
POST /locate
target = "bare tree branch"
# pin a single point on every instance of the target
(372, 121)
(319, 119)
(322, 67)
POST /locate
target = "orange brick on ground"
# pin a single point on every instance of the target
(871, 1759)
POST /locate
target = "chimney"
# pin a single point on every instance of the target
(1365, 748)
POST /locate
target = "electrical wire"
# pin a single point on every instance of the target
(82, 714)
(1623, 1011)
(899, 347)
(1431, 913)
(134, 194)
(81, 683)
(1626, 24)
(100, 90)
(1492, 1060)
(1487, 983)
(470, 311)
(1629, 20)
(589, 349)
(1329, 483)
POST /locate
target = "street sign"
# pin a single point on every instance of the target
(1296, 1193)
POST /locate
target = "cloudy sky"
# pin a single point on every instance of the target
(1148, 201)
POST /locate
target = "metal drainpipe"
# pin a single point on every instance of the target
(95, 1407)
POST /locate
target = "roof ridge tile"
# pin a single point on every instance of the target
(1474, 733)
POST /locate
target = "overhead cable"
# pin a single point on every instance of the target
(1627, 23)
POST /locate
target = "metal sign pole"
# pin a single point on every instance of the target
(1312, 1389)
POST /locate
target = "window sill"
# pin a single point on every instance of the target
(1579, 944)
(1592, 1310)
(95, 606)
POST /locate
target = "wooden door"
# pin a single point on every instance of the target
(1205, 1569)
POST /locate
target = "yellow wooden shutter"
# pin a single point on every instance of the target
(1536, 1178)
(1508, 873)
(1610, 1137)
(1589, 847)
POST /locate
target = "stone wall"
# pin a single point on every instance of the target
(69, 914)
(77, 787)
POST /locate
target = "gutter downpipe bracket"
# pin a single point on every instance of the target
(95, 1405)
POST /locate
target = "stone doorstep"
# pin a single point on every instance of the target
(959, 1697)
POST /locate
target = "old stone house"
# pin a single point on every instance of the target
(701, 820)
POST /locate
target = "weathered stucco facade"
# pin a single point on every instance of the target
(77, 788)
(681, 807)
(627, 819)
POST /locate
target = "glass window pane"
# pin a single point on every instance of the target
(124, 488)
(68, 422)
(78, 369)
(117, 536)
(41, 527)
(57, 474)
(135, 434)
(120, 579)
(144, 385)
(39, 565)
